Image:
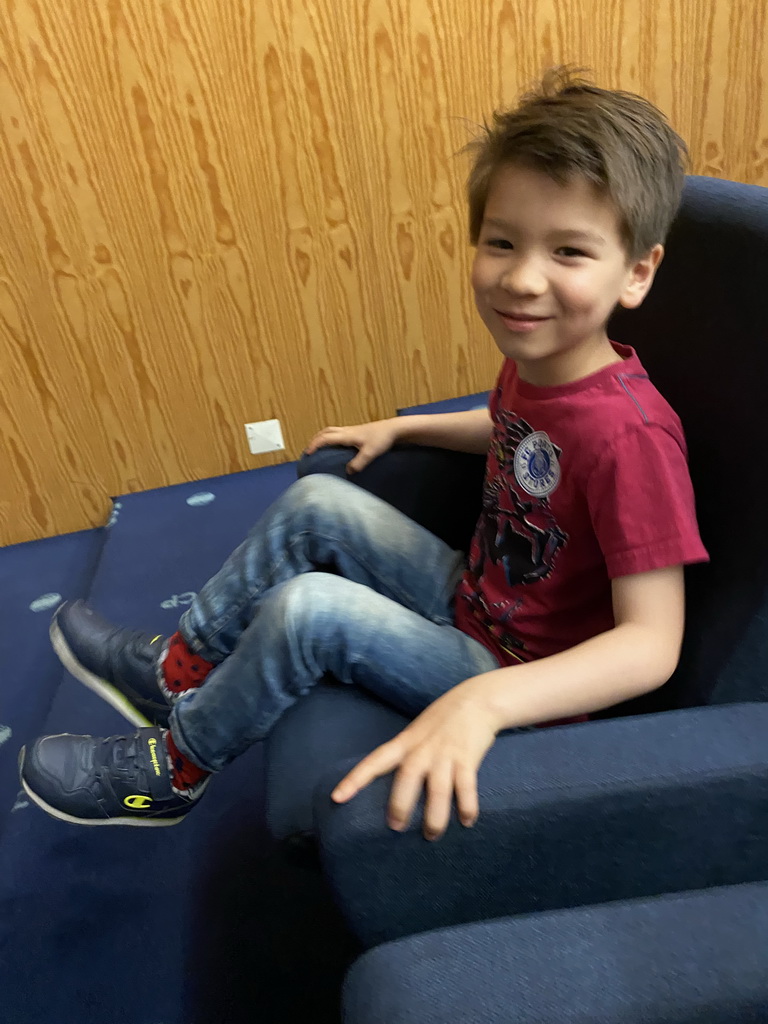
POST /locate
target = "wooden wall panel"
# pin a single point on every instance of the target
(214, 211)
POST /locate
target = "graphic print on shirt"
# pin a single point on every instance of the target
(518, 538)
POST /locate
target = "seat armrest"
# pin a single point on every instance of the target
(439, 489)
(569, 816)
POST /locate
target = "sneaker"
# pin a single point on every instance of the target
(123, 780)
(120, 665)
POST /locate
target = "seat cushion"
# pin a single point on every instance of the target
(698, 956)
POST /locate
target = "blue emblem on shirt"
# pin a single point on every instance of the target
(536, 467)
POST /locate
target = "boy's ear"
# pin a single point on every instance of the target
(640, 277)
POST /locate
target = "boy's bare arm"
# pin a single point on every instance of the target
(638, 655)
(457, 431)
(441, 750)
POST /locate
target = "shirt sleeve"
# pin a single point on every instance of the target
(642, 505)
(507, 369)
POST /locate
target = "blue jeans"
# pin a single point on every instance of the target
(330, 580)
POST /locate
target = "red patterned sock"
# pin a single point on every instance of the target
(185, 774)
(182, 670)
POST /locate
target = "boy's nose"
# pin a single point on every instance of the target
(523, 277)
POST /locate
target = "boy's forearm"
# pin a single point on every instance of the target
(615, 666)
(456, 431)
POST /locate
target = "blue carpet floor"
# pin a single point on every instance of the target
(206, 923)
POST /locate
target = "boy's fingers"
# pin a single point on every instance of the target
(406, 790)
(361, 460)
(381, 761)
(437, 812)
(317, 442)
(324, 437)
(467, 802)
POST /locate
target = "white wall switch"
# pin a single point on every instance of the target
(265, 436)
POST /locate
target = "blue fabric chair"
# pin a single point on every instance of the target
(666, 794)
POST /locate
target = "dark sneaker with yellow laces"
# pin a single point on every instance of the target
(120, 665)
(123, 780)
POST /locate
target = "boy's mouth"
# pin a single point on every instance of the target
(520, 321)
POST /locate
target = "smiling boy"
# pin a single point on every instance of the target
(549, 268)
(572, 599)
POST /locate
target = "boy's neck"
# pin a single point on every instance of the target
(568, 367)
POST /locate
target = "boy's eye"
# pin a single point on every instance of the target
(568, 250)
(498, 243)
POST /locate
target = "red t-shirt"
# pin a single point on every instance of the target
(584, 482)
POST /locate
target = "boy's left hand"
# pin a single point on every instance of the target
(441, 749)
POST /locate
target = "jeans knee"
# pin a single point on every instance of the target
(320, 492)
(314, 596)
(320, 503)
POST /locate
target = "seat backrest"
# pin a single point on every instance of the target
(702, 334)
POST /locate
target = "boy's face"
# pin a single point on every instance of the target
(549, 269)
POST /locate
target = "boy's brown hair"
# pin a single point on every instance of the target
(568, 128)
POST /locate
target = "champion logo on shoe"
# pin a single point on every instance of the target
(138, 802)
(152, 744)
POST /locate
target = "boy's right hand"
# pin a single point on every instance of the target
(371, 440)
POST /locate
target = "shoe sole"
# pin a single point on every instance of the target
(97, 685)
(56, 813)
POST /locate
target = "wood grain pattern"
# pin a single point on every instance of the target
(216, 212)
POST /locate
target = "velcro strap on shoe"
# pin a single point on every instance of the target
(158, 776)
